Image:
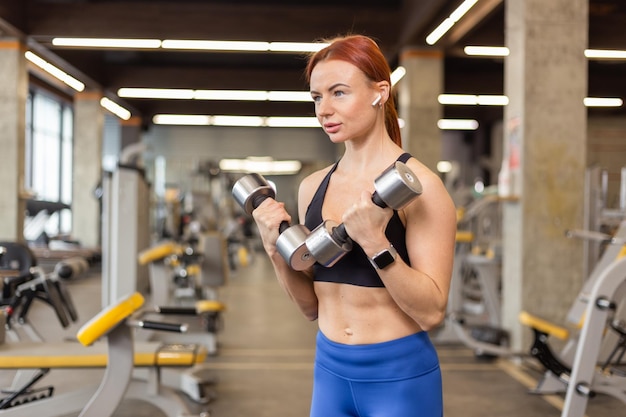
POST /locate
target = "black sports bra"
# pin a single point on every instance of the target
(354, 268)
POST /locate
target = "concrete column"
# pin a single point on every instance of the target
(418, 105)
(545, 127)
(13, 93)
(88, 132)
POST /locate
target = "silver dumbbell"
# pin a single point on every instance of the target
(250, 191)
(395, 188)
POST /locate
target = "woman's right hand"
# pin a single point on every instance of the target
(268, 217)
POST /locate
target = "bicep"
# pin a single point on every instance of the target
(431, 230)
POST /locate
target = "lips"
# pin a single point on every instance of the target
(331, 127)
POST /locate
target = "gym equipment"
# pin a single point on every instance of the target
(182, 279)
(581, 369)
(120, 355)
(250, 191)
(71, 268)
(395, 188)
(586, 377)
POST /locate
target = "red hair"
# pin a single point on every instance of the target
(362, 52)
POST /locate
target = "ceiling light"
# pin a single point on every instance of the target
(397, 75)
(115, 108)
(245, 121)
(54, 71)
(215, 45)
(603, 102)
(261, 165)
(472, 100)
(605, 54)
(292, 122)
(289, 96)
(445, 26)
(160, 93)
(486, 50)
(457, 124)
(228, 120)
(296, 46)
(188, 94)
(460, 99)
(492, 100)
(181, 119)
(107, 43)
(230, 95)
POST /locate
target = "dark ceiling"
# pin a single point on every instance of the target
(395, 24)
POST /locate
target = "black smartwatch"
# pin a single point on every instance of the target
(384, 258)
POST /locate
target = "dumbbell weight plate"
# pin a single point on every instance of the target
(290, 245)
(250, 191)
(397, 186)
(323, 247)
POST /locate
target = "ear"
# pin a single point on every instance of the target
(384, 90)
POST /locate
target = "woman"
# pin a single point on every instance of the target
(374, 357)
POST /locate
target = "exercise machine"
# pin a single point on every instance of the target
(119, 355)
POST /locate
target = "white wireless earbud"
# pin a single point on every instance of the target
(375, 102)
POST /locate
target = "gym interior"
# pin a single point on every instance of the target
(133, 143)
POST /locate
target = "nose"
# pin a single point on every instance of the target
(323, 107)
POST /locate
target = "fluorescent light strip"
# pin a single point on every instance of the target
(108, 43)
(495, 100)
(54, 71)
(486, 51)
(261, 165)
(397, 75)
(227, 120)
(115, 108)
(292, 122)
(296, 46)
(603, 102)
(447, 24)
(188, 94)
(215, 45)
(457, 124)
(605, 54)
(244, 95)
(160, 93)
(205, 45)
(473, 100)
(242, 46)
(504, 51)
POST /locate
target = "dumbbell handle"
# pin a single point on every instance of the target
(339, 233)
(256, 202)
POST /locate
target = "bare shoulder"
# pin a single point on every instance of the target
(434, 196)
(307, 188)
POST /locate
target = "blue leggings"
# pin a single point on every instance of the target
(399, 378)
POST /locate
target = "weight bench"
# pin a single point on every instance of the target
(119, 355)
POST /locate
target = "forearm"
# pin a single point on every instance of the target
(416, 294)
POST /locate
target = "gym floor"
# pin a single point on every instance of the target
(264, 363)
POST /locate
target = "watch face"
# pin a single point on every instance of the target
(384, 259)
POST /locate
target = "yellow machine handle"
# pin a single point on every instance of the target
(543, 325)
(159, 252)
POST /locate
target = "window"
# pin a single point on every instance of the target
(49, 165)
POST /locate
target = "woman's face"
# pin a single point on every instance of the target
(343, 99)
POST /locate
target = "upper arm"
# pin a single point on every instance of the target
(431, 229)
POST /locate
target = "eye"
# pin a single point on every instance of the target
(316, 98)
(338, 93)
